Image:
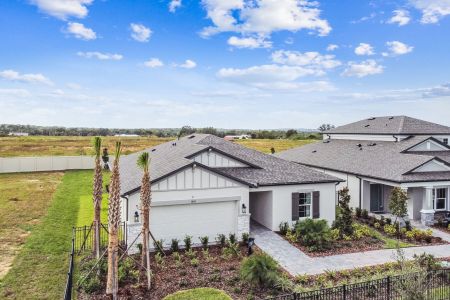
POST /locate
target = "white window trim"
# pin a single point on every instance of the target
(435, 198)
(310, 205)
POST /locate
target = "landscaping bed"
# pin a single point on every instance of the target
(215, 267)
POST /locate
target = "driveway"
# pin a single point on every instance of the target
(296, 262)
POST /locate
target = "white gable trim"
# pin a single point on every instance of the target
(432, 166)
(428, 145)
(214, 159)
(194, 178)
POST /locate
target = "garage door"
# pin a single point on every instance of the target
(196, 220)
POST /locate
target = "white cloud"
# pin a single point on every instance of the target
(74, 86)
(80, 31)
(173, 5)
(313, 60)
(397, 48)
(332, 47)
(364, 49)
(263, 17)
(249, 42)
(29, 78)
(62, 9)
(100, 55)
(188, 64)
(400, 17)
(364, 19)
(432, 10)
(19, 93)
(140, 33)
(362, 69)
(153, 63)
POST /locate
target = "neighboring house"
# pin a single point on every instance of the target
(18, 134)
(237, 137)
(203, 185)
(374, 155)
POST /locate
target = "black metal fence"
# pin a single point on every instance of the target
(434, 285)
(69, 280)
(84, 236)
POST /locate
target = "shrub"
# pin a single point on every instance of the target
(427, 261)
(245, 237)
(408, 225)
(187, 242)
(360, 231)
(91, 284)
(127, 270)
(335, 234)
(222, 240)
(358, 212)
(231, 250)
(259, 269)
(344, 218)
(190, 254)
(382, 221)
(284, 227)
(284, 284)
(194, 262)
(364, 214)
(158, 245)
(232, 238)
(390, 230)
(291, 236)
(204, 240)
(174, 245)
(159, 259)
(388, 221)
(377, 225)
(176, 256)
(314, 234)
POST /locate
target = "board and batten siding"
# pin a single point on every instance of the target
(214, 159)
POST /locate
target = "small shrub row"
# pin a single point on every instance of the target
(204, 240)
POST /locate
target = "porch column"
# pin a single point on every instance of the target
(427, 212)
(409, 204)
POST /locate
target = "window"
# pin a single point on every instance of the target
(439, 198)
(304, 207)
(445, 141)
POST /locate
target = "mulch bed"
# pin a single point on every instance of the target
(441, 228)
(220, 273)
(343, 247)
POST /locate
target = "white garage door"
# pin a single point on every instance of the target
(196, 220)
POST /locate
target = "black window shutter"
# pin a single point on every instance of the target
(316, 204)
(295, 202)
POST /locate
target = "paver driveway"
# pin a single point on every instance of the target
(296, 262)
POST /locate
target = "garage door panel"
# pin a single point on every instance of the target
(167, 222)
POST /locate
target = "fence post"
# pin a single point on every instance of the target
(388, 279)
(344, 292)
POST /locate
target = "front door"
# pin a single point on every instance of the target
(376, 198)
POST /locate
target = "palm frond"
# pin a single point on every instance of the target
(118, 150)
(143, 161)
(97, 144)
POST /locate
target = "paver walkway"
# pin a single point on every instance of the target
(296, 262)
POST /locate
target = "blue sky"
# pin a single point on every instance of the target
(222, 63)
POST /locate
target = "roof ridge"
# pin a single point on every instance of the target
(402, 122)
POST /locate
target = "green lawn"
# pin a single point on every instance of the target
(199, 294)
(39, 270)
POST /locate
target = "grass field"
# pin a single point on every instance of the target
(24, 200)
(74, 145)
(39, 270)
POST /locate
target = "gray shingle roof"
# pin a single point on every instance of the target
(265, 170)
(391, 125)
(384, 160)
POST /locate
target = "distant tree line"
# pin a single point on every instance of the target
(5, 129)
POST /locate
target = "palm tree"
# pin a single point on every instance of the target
(97, 193)
(144, 162)
(112, 284)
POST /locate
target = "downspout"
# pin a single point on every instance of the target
(360, 191)
(336, 197)
(126, 211)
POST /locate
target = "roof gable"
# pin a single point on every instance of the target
(433, 165)
(430, 144)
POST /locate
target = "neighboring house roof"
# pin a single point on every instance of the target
(401, 125)
(374, 159)
(170, 157)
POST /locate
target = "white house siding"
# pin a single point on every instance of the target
(282, 201)
(363, 137)
(433, 166)
(428, 146)
(215, 160)
(261, 207)
(416, 196)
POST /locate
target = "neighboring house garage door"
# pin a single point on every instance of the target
(196, 220)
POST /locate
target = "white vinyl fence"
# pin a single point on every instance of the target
(45, 163)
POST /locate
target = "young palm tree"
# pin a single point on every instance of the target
(97, 193)
(144, 163)
(112, 284)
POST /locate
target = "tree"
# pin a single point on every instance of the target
(97, 194)
(291, 132)
(186, 130)
(398, 205)
(112, 284)
(325, 127)
(344, 219)
(144, 163)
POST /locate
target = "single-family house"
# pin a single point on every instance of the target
(203, 185)
(376, 154)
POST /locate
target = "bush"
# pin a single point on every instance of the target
(91, 284)
(245, 237)
(187, 242)
(158, 245)
(358, 212)
(364, 214)
(388, 221)
(127, 270)
(190, 254)
(222, 240)
(284, 284)
(231, 250)
(408, 225)
(344, 218)
(204, 240)
(259, 269)
(360, 231)
(390, 230)
(194, 262)
(291, 236)
(427, 261)
(174, 245)
(314, 234)
(232, 238)
(284, 227)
